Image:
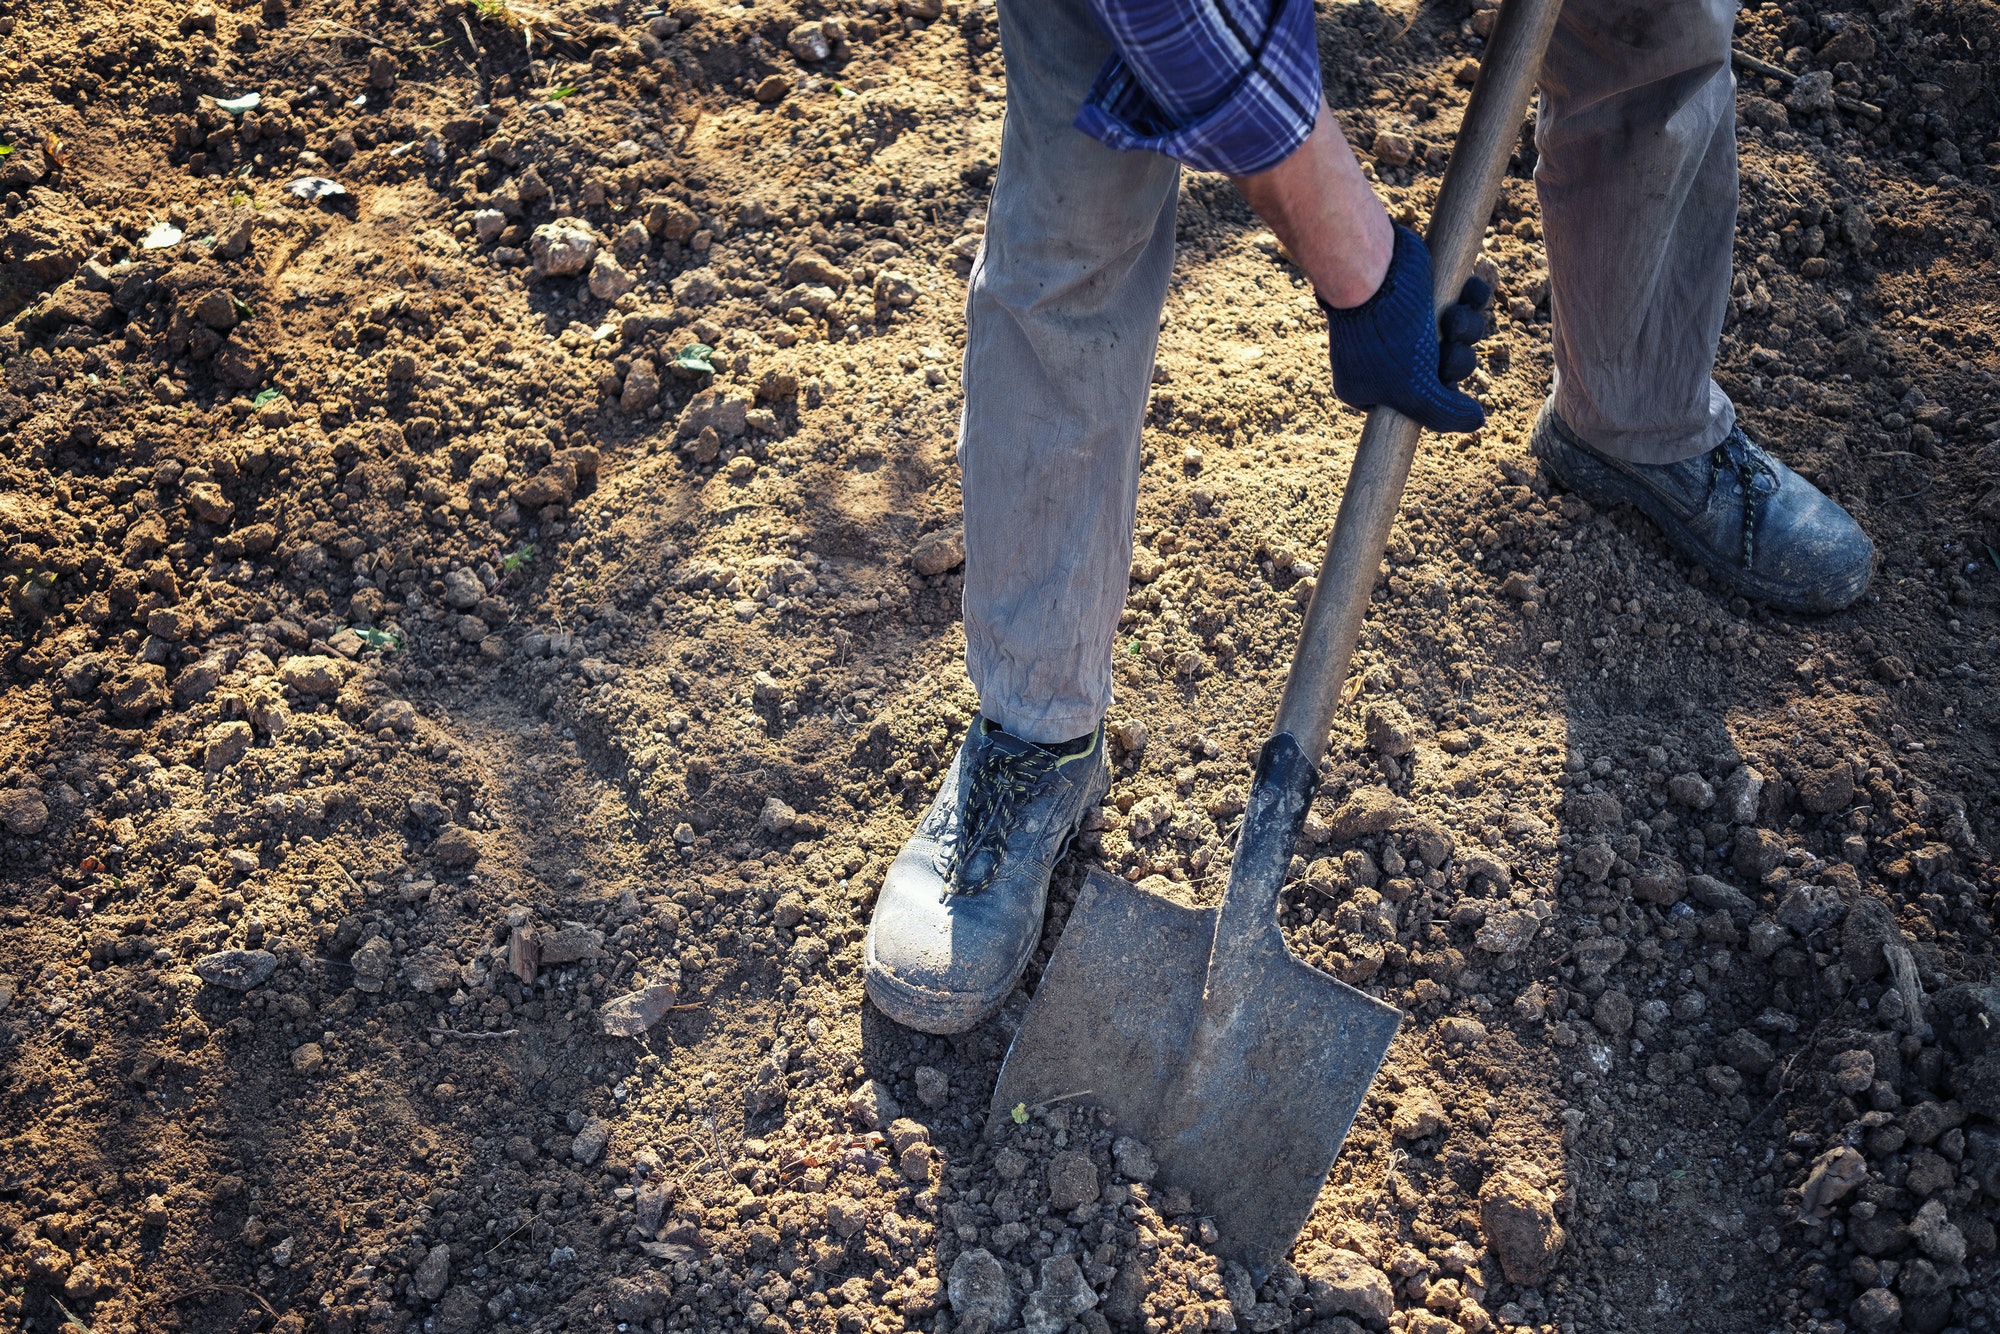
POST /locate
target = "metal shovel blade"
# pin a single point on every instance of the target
(1238, 1065)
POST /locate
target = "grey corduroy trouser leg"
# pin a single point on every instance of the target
(1637, 179)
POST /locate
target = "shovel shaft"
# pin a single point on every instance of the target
(1389, 440)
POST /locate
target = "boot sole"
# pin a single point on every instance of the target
(1604, 485)
(943, 1013)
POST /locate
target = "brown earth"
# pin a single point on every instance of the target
(392, 596)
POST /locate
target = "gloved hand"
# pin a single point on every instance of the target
(1387, 350)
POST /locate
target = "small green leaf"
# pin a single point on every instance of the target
(265, 396)
(695, 357)
(567, 90)
(6, 150)
(243, 312)
(379, 639)
(1020, 1113)
(518, 560)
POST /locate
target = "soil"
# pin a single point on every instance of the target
(439, 610)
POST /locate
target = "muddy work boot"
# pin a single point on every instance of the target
(1757, 527)
(961, 909)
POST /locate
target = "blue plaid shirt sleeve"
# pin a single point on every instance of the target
(1231, 86)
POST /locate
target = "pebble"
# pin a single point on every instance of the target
(1133, 1159)
(872, 1106)
(1418, 1114)
(933, 1088)
(1345, 1283)
(939, 552)
(1520, 1223)
(236, 970)
(561, 249)
(1392, 149)
(1072, 1180)
(372, 965)
(589, 1143)
(1389, 729)
(630, 1015)
(979, 1293)
(308, 1058)
(433, 1274)
(23, 814)
(1062, 1296)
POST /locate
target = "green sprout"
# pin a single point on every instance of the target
(379, 639)
(265, 396)
(518, 560)
(6, 150)
(567, 90)
(695, 357)
(1020, 1113)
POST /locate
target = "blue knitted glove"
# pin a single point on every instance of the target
(1387, 351)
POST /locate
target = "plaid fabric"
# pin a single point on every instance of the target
(1231, 86)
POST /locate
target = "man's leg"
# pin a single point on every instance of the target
(1061, 324)
(1637, 179)
(1062, 320)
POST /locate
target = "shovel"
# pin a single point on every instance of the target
(1238, 1065)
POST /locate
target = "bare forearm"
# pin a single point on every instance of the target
(1326, 213)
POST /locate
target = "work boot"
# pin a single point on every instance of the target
(961, 908)
(1756, 526)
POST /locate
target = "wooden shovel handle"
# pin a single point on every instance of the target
(1389, 440)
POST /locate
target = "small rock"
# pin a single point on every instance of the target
(372, 965)
(225, 744)
(383, 67)
(1418, 1114)
(1133, 1159)
(1520, 1223)
(236, 970)
(642, 387)
(431, 970)
(572, 944)
(809, 42)
(1612, 1014)
(1392, 149)
(1742, 794)
(1062, 1296)
(1876, 1310)
(462, 590)
(313, 673)
(872, 1106)
(1936, 1235)
(1346, 1284)
(1389, 728)
(1852, 1071)
(23, 814)
(1505, 932)
(1812, 94)
(433, 1276)
(561, 249)
(1691, 790)
(1824, 791)
(630, 1015)
(588, 1146)
(771, 88)
(1459, 1031)
(456, 847)
(308, 1059)
(1072, 1180)
(939, 552)
(932, 1086)
(1833, 1177)
(1369, 810)
(776, 817)
(608, 279)
(978, 1292)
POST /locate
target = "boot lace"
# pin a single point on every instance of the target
(1746, 463)
(1002, 786)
